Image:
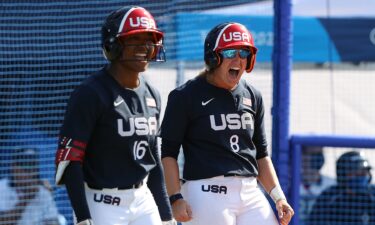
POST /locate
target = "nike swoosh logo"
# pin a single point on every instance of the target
(118, 103)
(206, 102)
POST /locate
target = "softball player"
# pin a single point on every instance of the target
(352, 199)
(219, 120)
(107, 155)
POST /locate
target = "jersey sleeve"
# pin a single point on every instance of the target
(259, 137)
(174, 124)
(84, 108)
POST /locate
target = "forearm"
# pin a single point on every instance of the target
(171, 174)
(267, 174)
(73, 179)
(156, 184)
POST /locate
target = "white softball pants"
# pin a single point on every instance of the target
(227, 201)
(123, 207)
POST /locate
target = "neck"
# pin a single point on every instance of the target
(210, 77)
(126, 78)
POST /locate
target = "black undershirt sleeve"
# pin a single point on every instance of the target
(73, 179)
(156, 184)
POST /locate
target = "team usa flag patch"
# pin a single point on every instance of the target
(247, 101)
(151, 102)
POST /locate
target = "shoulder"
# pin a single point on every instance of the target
(98, 87)
(331, 192)
(89, 85)
(8, 197)
(152, 95)
(250, 88)
(192, 86)
(5, 186)
(97, 80)
(155, 92)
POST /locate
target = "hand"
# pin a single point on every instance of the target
(284, 211)
(170, 222)
(181, 211)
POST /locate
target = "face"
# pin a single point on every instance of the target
(137, 50)
(24, 178)
(312, 162)
(233, 65)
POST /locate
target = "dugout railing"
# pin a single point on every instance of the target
(299, 140)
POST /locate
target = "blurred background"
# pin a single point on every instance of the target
(48, 47)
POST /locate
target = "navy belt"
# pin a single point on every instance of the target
(133, 186)
(232, 175)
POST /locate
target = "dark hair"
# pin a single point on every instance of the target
(350, 162)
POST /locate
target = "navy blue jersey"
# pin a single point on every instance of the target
(222, 132)
(338, 206)
(118, 126)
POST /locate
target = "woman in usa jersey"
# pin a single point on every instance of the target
(107, 155)
(218, 118)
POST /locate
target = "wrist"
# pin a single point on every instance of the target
(86, 222)
(175, 197)
(277, 194)
(170, 222)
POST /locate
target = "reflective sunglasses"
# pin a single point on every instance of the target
(231, 53)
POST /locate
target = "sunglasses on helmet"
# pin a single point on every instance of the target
(231, 53)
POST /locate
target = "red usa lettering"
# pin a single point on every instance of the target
(142, 21)
(236, 36)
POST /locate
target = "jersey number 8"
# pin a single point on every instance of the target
(234, 143)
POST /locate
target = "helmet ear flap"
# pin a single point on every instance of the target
(112, 48)
(250, 63)
(213, 60)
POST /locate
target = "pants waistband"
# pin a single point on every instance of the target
(133, 186)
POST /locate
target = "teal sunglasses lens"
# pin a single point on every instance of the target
(231, 53)
(244, 53)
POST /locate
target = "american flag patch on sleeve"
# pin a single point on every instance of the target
(246, 101)
(150, 102)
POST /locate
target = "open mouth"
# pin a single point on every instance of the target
(234, 72)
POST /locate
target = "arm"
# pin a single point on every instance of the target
(156, 183)
(181, 209)
(172, 176)
(172, 133)
(10, 217)
(268, 178)
(73, 179)
(83, 110)
(16, 196)
(267, 174)
(50, 211)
